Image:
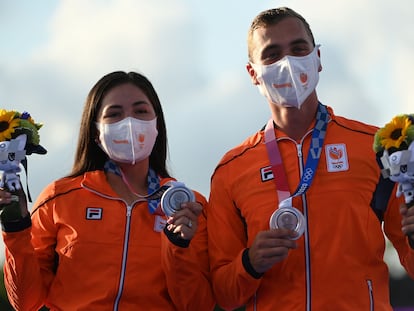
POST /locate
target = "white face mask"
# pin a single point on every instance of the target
(129, 140)
(289, 81)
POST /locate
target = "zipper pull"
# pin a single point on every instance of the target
(299, 148)
(129, 210)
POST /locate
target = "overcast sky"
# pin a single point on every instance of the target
(194, 52)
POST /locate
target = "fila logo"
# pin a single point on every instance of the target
(266, 173)
(94, 213)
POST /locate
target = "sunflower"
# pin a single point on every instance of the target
(395, 135)
(14, 123)
(8, 123)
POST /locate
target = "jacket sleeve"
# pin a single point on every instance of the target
(29, 262)
(227, 237)
(392, 229)
(187, 269)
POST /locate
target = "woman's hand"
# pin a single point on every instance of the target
(9, 212)
(185, 220)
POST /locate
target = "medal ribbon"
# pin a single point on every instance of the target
(155, 192)
(315, 151)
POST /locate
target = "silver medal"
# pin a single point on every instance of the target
(174, 196)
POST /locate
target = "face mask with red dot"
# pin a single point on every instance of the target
(290, 80)
(129, 140)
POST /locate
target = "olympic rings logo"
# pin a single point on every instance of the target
(307, 175)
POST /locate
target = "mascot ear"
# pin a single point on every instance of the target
(411, 148)
(30, 148)
(21, 140)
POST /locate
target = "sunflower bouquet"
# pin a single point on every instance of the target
(394, 144)
(19, 136)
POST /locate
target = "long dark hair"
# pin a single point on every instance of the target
(89, 156)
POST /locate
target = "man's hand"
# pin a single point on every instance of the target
(270, 247)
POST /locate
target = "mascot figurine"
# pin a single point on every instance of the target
(19, 137)
(394, 145)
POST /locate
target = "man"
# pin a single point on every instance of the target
(296, 210)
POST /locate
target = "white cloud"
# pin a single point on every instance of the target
(195, 56)
(194, 53)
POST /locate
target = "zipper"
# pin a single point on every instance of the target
(124, 257)
(299, 148)
(126, 242)
(306, 235)
(371, 295)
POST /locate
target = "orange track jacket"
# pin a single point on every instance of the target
(338, 264)
(88, 250)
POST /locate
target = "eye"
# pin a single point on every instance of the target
(271, 55)
(141, 110)
(300, 50)
(111, 114)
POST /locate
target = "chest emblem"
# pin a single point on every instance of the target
(336, 158)
(266, 173)
(94, 213)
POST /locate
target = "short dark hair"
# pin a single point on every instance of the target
(271, 17)
(89, 156)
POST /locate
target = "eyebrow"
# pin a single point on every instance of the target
(141, 102)
(278, 46)
(298, 41)
(294, 42)
(137, 103)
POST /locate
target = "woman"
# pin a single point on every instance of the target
(95, 241)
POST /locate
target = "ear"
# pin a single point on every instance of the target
(252, 73)
(97, 134)
(320, 65)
